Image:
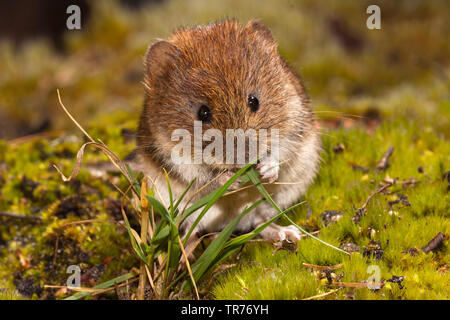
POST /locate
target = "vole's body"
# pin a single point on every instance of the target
(220, 66)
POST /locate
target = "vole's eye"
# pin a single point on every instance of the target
(204, 114)
(253, 103)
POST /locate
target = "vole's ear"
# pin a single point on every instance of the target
(160, 59)
(256, 28)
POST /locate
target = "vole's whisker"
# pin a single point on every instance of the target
(348, 115)
(326, 134)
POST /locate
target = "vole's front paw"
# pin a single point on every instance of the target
(275, 232)
(268, 169)
(290, 232)
(226, 176)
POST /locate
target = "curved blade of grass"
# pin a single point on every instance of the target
(242, 239)
(234, 244)
(253, 175)
(184, 194)
(136, 247)
(173, 252)
(169, 189)
(160, 235)
(209, 255)
(215, 196)
(197, 205)
(159, 207)
(137, 186)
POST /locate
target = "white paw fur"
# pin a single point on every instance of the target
(268, 169)
(279, 233)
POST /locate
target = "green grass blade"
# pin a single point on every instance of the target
(183, 194)
(161, 235)
(209, 255)
(104, 285)
(159, 207)
(216, 195)
(169, 189)
(242, 239)
(253, 175)
(136, 247)
(197, 205)
(136, 184)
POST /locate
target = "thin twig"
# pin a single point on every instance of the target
(89, 221)
(20, 216)
(340, 265)
(322, 295)
(361, 211)
(41, 135)
(188, 266)
(352, 284)
(72, 118)
(379, 190)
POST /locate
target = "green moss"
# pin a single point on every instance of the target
(397, 228)
(33, 187)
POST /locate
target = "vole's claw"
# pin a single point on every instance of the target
(268, 169)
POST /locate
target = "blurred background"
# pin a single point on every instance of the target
(401, 70)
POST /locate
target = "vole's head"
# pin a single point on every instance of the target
(226, 75)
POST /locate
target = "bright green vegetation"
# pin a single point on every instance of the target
(397, 229)
(398, 78)
(42, 250)
(258, 274)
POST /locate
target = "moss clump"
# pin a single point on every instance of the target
(34, 253)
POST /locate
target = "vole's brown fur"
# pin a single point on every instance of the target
(219, 65)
